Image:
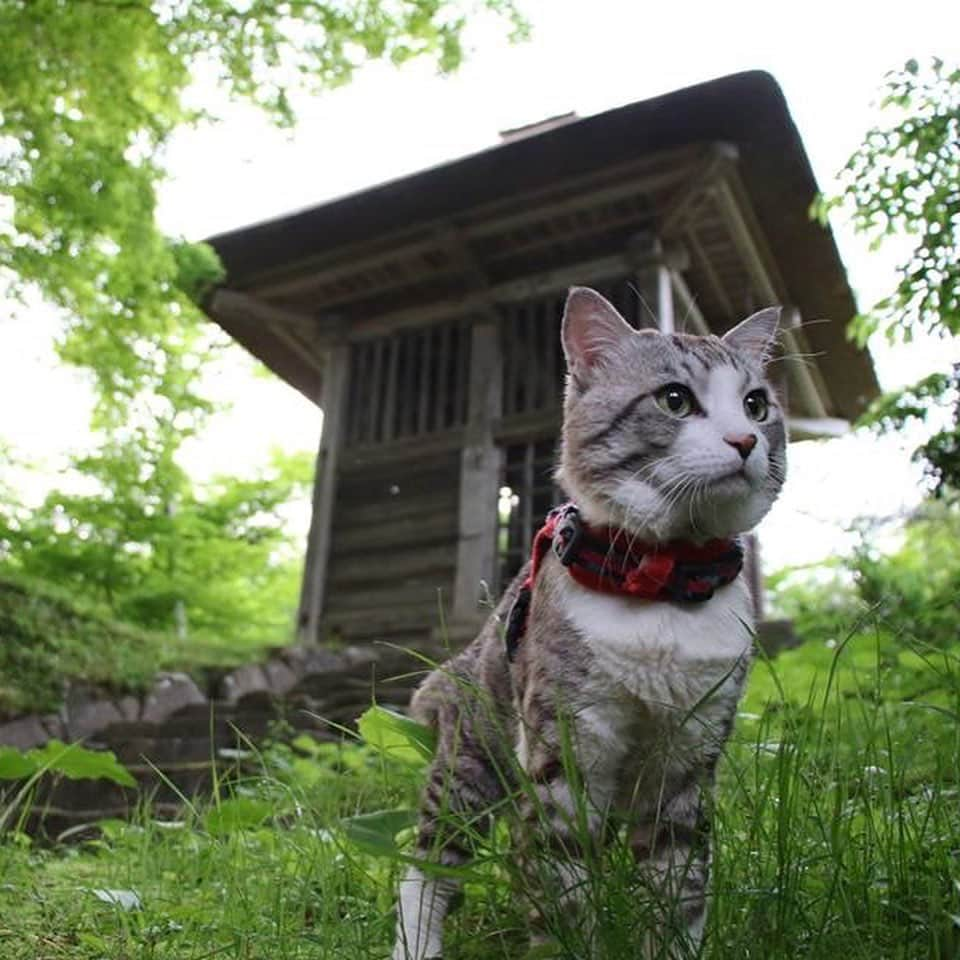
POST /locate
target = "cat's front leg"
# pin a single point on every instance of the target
(421, 911)
(466, 781)
(672, 851)
(569, 791)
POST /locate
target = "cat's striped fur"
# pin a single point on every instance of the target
(615, 709)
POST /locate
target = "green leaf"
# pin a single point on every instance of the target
(78, 763)
(74, 762)
(15, 765)
(396, 736)
(308, 745)
(376, 833)
(237, 813)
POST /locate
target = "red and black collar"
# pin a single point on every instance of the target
(611, 561)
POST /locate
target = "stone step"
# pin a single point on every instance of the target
(170, 750)
(172, 785)
(324, 690)
(173, 745)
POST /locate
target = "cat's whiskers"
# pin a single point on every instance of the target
(805, 358)
(635, 523)
(675, 490)
(690, 505)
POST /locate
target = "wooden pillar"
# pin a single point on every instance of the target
(480, 471)
(653, 282)
(753, 571)
(333, 394)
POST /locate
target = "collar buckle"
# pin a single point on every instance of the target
(568, 535)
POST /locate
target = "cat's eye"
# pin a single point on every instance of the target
(756, 405)
(676, 399)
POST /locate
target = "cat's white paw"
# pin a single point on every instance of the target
(422, 906)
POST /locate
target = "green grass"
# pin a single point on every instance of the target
(837, 837)
(47, 639)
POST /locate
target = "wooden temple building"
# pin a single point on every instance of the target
(423, 315)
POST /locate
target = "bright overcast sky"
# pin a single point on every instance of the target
(829, 59)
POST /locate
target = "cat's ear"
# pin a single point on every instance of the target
(756, 335)
(592, 329)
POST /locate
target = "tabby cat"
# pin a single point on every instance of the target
(629, 640)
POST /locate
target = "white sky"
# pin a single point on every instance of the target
(829, 59)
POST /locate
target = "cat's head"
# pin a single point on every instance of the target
(671, 436)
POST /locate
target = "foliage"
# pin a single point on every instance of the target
(91, 91)
(46, 639)
(397, 737)
(902, 182)
(74, 762)
(909, 591)
(915, 588)
(49, 640)
(151, 547)
(836, 827)
(58, 760)
(934, 398)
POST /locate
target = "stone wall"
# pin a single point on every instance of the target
(172, 738)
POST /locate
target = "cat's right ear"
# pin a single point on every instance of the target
(757, 335)
(592, 330)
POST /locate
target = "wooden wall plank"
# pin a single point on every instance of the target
(426, 370)
(390, 400)
(442, 399)
(417, 560)
(409, 383)
(376, 512)
(463, 370)
(373, 392)
(419, 593)
(402, 533)
(312, 593)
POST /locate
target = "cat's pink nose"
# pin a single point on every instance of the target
(742, 442)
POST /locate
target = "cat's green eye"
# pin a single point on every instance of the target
(676, 399)
(756, 405)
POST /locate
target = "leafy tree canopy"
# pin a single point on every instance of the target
(904, 180)
(90, 92)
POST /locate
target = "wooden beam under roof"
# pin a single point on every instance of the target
(268, 333)
(575, 196)
(718, 158)
(769, 285)
(702, 262)
(691, 320)
(677, 166)
(534, 285)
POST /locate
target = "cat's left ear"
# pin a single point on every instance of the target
(592, 330)
(756, 335)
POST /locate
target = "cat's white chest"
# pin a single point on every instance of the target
(662, 653)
